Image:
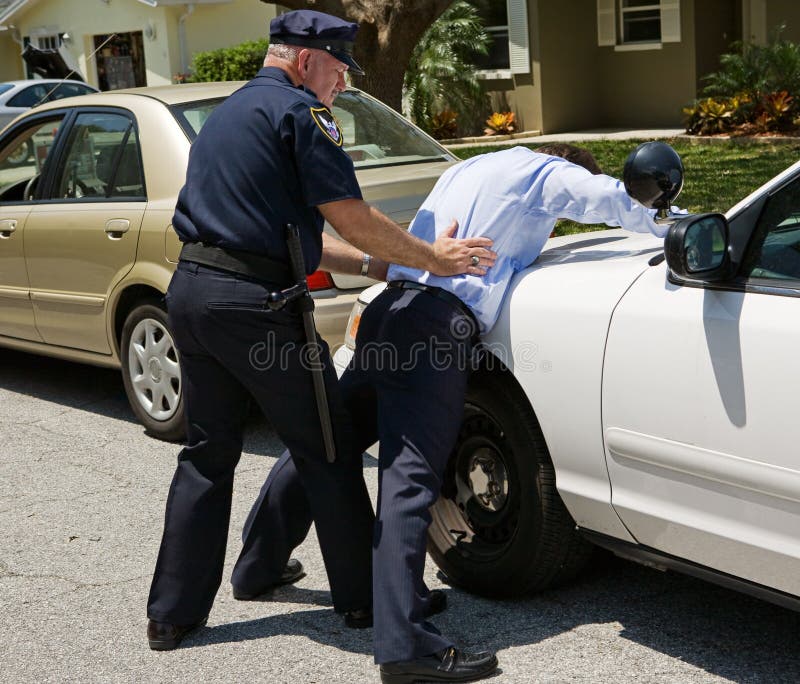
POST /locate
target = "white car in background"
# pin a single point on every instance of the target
(17, 97)
(648, 405)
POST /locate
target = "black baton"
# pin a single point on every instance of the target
(307, 307)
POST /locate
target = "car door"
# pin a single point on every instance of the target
(81, 239)
(24, 151)
(701, 404)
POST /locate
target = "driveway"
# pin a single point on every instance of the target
(82, 494)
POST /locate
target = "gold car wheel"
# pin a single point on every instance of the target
(154, 370)
(151, 370)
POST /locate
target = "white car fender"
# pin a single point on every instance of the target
(551, 334)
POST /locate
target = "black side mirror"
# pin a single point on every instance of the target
(696, 248)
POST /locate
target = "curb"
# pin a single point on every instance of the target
(489, 138)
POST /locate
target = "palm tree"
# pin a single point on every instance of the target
(441, 75)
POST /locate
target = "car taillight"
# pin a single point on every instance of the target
(319, 280)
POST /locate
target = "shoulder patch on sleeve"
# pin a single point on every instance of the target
(327, 124)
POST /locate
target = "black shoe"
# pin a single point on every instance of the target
(164, 636)
(450, 665)
(362, 618)
(291, 573)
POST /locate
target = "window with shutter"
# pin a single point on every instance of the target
(638, 22)
(506, 22)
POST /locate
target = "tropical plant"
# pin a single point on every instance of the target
(500, 123)
(756, 70)
(444, 124)
(441, 74)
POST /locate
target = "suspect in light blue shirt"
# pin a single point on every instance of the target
(515, 197)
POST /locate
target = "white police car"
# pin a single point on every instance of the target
(645, 404)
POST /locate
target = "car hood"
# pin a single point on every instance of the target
(614, 244)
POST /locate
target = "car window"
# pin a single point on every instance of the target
(32, 95)
(774, 250)
(101, 159)
(69, 90)
(374, 134)
(5, 87)
(23, 157)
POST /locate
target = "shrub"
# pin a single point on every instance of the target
(238, 63)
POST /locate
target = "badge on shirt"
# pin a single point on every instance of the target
(327, 124)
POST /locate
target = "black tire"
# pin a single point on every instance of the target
(500, 528)
(151, 371)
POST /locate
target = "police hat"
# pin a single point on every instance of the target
(307, 28)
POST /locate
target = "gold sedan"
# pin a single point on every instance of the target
(87, 191)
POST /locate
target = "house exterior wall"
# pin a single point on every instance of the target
(213, 26)
(207, 27)
(570, 57)
(784, 12)
(83, 20)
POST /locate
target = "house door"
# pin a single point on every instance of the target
(120, 62)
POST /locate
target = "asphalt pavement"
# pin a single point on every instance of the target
(82, 494)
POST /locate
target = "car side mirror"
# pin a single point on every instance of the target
(696, 248)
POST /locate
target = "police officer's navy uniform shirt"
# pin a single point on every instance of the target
(515, 197)
(267, 156)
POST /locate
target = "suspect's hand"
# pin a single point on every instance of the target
(455, 256)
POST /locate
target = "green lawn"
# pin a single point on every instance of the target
(718, 175)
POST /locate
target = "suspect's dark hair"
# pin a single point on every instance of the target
(576, 155)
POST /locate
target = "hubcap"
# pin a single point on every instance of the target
(487, 479)
(479, 502)
(154, 369)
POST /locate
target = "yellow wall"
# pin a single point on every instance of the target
(10, 61)
(215, 26)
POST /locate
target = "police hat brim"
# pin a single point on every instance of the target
(340, 49)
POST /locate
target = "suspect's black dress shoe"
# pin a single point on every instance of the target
(164, 636)
(291, 573)
(362, 618)
(450, 665)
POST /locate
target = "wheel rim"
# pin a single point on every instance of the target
(480, 503)
(154, 369)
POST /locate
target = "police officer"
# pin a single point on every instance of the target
(407, 381)
(271, 155)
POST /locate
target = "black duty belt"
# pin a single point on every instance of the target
(235, 261)
(439, 293)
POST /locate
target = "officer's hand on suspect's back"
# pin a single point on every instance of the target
(455, 256)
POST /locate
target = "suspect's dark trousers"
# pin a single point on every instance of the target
(406, 385)
(231, 348)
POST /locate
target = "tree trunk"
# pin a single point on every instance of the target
(388, 32)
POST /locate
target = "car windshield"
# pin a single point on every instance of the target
(374, 134)
(5, 87)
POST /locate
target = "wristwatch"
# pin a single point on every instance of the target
(365, 261)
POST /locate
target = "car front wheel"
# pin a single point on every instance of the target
(500, 528)
(151, 371)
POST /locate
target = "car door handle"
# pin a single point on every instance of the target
(115, 228)
(7, 226)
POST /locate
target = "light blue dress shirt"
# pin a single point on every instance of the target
(515, 197)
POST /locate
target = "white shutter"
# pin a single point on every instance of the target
(670, 21)
(519, 55)
(606, 22)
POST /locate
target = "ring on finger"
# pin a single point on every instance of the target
(475, 260)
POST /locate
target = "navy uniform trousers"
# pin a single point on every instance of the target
(406, 387)
(231, 349)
